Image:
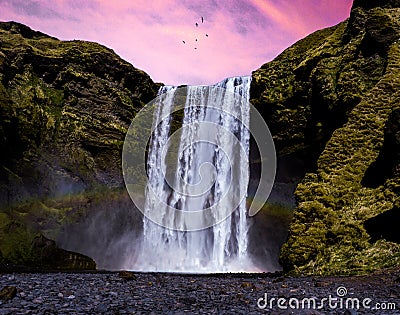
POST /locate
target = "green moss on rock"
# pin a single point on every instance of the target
(333, 101)
(65, 109)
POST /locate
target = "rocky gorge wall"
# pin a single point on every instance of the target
(331, 102)
(65, 108)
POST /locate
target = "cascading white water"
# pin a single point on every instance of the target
(223, 246)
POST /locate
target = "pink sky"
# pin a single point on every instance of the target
(243, 34)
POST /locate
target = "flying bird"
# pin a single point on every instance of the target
(196, 39)
(202, 20)
(206, 35)
(183, 42)
(197, 24)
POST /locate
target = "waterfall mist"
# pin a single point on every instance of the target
(216, 161)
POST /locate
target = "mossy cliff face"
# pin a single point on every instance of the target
(330, 101)
(64, 111)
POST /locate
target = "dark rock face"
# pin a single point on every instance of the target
(387, 165)
(72, 100)
(384, 226)
(48, 255)
(381, 31)
(369, 4)
(64, 111)
(327, 100)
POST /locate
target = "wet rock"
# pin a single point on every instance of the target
(278, 279)
(38, 300)
(321, 284)
(48, 255)
(8, 293)
(127, 275)
(101, 308)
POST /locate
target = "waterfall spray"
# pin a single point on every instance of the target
(195, 215)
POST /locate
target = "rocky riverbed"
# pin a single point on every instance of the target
(161, 293)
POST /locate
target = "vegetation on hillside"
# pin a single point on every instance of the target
(65, 107)
(331, 95)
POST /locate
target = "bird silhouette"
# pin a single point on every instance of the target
(197, 25)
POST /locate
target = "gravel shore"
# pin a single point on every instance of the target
(161, 293)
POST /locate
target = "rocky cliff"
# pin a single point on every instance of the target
(65, 107)
(332, 103)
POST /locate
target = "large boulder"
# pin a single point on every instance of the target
(49, 256)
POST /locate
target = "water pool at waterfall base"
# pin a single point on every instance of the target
(180, 266)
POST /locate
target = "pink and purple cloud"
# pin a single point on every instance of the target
(242, 34)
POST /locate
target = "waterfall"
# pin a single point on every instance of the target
(209, 160)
